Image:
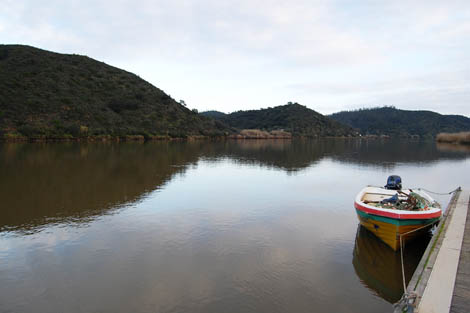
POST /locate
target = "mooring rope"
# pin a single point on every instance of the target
(420, 188)
(427, 190)
(402, 246)
(404, 301)
(402, 266)
(439, 193)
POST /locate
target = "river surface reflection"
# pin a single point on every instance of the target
(225, 226)
(379, 267)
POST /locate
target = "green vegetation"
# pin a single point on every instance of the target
(214, 114)
(293, 118)
(46, 95)
(402, 123)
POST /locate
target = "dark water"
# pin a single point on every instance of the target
(234, 226)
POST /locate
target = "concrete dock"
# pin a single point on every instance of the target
(461, 297)
(441, 282)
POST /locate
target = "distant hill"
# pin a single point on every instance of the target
(394, 122)
(51, 95)
(293, 117)
(214, 114)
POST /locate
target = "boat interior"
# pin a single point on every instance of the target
(399, 201)
(378, 197)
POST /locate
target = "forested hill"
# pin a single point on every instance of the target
(51, 95)
(394, 122)
(214, 114)
(293, 117)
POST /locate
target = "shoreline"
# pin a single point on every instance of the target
(140, 138)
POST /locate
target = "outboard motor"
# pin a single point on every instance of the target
(393, 182)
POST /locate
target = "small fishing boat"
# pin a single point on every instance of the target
(391, 212)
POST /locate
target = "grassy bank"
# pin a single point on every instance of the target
(261, 134)
(455, 138)
(110, 138)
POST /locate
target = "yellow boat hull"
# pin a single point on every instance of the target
(390, 232)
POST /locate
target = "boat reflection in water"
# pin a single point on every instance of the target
(379, 267)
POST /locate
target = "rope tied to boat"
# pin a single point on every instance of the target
(433, 192)
(440, 193)
(406, 303)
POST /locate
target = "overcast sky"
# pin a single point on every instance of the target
(248, 54)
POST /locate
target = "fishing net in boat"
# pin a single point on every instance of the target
(413, 202)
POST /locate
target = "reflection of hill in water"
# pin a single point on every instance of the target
(387, 153)
(379, 267)
(288, 155)
(295, 155)
(450, 147)
(43, 183)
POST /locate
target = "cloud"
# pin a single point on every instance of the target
(445, 92)
(214, 53)
(182, 29)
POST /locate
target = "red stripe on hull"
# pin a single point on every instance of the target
(395, 215)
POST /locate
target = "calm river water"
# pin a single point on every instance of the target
(229, 226)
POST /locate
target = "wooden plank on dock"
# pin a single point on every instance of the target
(461, 297)
(439, 290)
